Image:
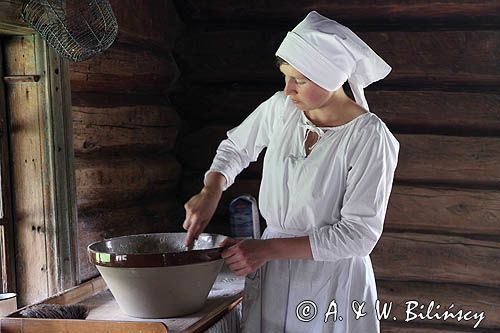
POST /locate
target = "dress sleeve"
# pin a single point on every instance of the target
(369, 184)
(245, 142)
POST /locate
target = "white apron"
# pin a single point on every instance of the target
(273, 293)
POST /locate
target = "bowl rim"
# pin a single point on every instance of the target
(161, 259)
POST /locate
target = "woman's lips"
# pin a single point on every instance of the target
(295, 101)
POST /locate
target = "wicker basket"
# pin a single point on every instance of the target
(76, 29)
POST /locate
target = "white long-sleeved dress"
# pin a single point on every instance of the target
(337, 195)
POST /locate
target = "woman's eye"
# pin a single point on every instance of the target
(299, 82)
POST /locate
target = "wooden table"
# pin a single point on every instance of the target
(105, 315)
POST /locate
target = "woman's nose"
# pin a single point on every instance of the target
(290, 88)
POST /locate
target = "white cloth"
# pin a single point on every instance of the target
(329, 53)
(337, 195)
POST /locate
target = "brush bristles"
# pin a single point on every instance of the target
(56, 311)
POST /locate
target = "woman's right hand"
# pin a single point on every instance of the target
(199, 210)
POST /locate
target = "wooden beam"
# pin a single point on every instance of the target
(466, 297)
(416, 111)
(110, 182)
(436, 258)
(441, 210)
(27, 181)
(469, 214)
(41, 140)
(459, 211)
(431, 159)
(110, 100)
(452, 160)
(359, 13)
(431, 59)
(59, 175)
(152, 24)
(125, 129)
(125, 69)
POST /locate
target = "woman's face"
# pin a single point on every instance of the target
(305, 94)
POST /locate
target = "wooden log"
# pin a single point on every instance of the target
(131, 129)
(118, 181)
(428, 111)
(248, 55)
(146, 215)
(452, 211)
(449, 159)
(162, 214)
(151, 24)
(406, 255)
(111, 100)
(125, 69)
(446, 210)
(421, 257)
(473, 298)
(424, 257)
(203, 144)
(435, 159)
(221, 104)
(437, 59)
(404, 13)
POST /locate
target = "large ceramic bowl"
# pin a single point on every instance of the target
(155, 276)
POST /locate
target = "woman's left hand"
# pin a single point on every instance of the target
(245, 256)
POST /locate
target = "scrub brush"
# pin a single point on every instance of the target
(56, 311)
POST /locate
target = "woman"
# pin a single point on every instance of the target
(327, 176)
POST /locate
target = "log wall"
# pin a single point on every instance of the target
(441, 237)
(125, 129)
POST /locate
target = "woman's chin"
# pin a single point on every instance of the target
(299, 106)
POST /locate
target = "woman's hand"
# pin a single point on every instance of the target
(245, 256)
(199, 210)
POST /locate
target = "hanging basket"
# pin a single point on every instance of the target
(76, 29)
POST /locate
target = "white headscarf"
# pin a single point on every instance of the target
(329, 54)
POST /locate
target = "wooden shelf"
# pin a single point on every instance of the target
(105, 315)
